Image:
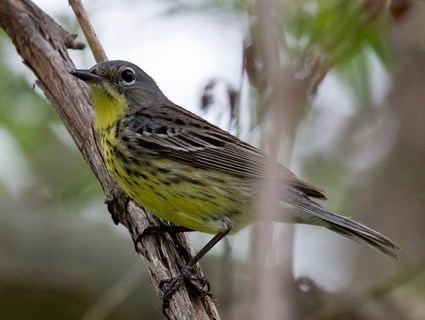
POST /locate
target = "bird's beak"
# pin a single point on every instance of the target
(86, 75)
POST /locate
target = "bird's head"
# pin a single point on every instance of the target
(118, 87)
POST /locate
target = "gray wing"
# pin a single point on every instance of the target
(173, 132)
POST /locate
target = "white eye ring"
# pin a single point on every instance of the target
(128, 76)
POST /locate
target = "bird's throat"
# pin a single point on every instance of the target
(109, 106)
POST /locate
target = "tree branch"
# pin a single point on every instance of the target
(42, 44)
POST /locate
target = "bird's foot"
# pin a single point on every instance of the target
(161, 229)
(186, 275)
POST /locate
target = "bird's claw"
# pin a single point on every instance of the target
(186, 275)
(161, 229)
(148, 231)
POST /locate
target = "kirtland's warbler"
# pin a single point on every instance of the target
(188, 171)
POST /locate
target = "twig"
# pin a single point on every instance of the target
(41, 42)
(83, 19)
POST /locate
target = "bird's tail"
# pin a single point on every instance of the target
(345, 226)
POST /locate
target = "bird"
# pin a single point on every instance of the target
(190, 172)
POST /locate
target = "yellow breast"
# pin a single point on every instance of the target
(202, 200)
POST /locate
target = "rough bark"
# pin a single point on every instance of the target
(43, 44)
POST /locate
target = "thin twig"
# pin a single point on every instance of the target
(83, 19)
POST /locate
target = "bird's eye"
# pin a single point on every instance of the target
(128, 76)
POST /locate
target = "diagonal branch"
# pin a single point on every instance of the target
(43, 44)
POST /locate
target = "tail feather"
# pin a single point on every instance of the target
(346, 226)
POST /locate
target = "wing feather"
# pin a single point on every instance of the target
(173, 132)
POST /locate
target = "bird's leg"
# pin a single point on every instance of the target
(186, 275)
(165, 228)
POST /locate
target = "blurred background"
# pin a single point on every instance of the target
(360, 136)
